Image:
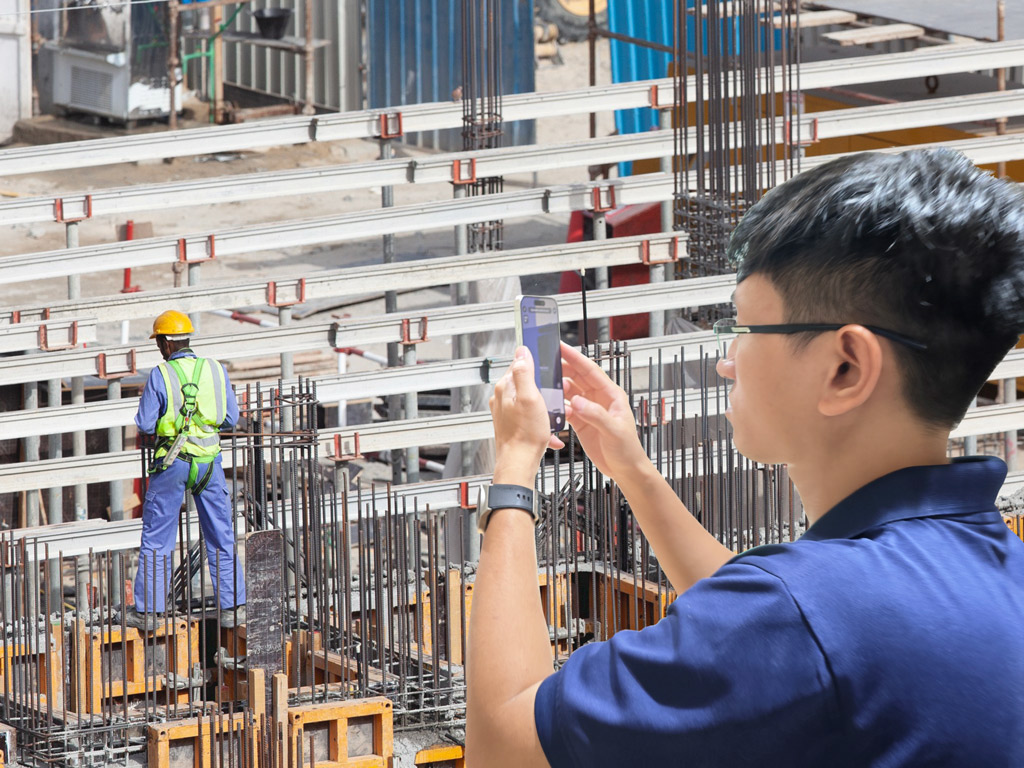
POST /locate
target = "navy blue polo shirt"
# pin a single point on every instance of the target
(890, 634)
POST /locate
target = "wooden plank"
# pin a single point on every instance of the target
(808, 19)
(875, 34)
(264, 575)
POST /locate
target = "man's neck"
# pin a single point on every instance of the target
(838, 470)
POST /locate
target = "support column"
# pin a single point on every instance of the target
(601, 274)
(31, 392)
(461, 344)
(387, 200)
(412, 408)
(971, 441)
(55, 496)
(659, 272)
(1010, 438)
(284, 317)
(115, 444)
(81, 496)
(193, 279)
(77, 383)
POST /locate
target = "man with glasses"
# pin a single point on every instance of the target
(875, 295)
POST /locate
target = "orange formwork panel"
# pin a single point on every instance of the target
(351, 734)
(442, 756)
(107, 665)
(204, 742)
(47, 662)
(1016, 524)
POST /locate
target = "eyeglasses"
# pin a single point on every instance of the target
(727, 329)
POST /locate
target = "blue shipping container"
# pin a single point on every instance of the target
(652, 20)
(414, 55)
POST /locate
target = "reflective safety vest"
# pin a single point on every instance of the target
(202, 441)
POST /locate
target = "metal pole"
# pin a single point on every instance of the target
(1001, 77)
(307, 55)
(284, 317)
(77, 383)
(115, 444)
(342, 404)
(172, 61)
(193, 279)
(412, 407)
(659, 271)
(31, 391)
(55, 497)
(461, 343)
(387, 200)
(1010, 438)
(601, 280)
(971, 441)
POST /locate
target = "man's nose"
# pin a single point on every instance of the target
(726, 367)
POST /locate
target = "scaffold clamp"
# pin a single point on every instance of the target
(462, 177)
(391, 125)
(464, 496)
(44, 338)
(800, 139)
(645, 253)
(339, 452)
(603, 199)
(103, 373)
(407, 328)
(300, 293)
(183, 256)
(60, 217)
(656, 103)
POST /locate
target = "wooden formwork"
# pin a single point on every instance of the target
(47, 663)
(351, 734)
(204, 742)
(628, 603)
(442, 756)
(107, 664)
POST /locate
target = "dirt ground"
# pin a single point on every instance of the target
(570, 73)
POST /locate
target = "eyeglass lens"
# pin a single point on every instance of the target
(724, 334)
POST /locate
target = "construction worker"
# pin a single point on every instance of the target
(875, 294)
(187, 401)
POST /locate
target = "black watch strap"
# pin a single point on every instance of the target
(507, 497)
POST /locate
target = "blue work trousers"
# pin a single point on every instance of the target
(160, 513)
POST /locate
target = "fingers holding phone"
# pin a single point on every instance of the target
(521, 431)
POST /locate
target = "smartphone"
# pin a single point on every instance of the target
(537, 330)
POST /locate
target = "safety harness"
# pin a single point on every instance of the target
(200, 467)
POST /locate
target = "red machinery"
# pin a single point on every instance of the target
(621, 222)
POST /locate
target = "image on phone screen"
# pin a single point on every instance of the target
(537, 323)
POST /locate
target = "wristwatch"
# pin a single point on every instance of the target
(507, 497)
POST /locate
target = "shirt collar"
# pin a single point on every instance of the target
(968, 484)
(186, 352)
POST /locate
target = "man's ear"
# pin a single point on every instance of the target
(854, 370)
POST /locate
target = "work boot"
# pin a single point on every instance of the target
(232, 617)
(144, 622)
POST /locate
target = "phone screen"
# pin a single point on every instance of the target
(537, 323)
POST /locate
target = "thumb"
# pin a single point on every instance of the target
(522, 370)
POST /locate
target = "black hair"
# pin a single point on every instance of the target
(920, 242)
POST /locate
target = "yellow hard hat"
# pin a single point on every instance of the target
(172, 323)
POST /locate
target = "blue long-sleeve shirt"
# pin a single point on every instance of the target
(153, 401)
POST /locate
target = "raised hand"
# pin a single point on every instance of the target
(599, 411)
(522, 429)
